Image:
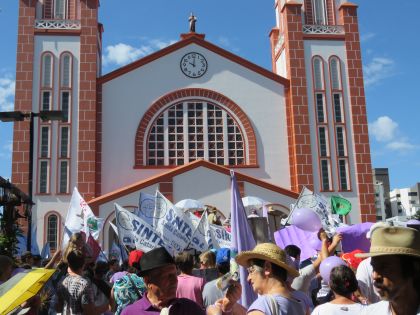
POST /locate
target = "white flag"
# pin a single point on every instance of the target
(134, 231)
(221, 237)
(172, 224)
(146, 207)
(320, 205)
(198, 240)
(80, 218)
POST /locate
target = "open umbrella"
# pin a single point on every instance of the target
(189, 204)
(22, 287)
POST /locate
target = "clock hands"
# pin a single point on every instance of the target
(193, 63)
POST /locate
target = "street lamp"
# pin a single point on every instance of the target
(44, 115)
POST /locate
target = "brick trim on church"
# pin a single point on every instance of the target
(193, 92)
(299, 141)
(364, 178)
(87, 136)
(23, 93)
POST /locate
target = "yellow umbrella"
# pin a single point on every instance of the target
(22, 287)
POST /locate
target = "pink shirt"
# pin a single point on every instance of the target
(190, 287)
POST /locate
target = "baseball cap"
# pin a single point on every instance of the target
(223, 256)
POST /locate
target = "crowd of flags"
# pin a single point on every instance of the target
(157, 222)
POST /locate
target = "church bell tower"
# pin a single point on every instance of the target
(58, 61)
(315, 44)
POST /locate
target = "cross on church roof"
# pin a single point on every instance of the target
(192, 19)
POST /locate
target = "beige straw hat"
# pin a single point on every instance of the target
(269, 252)
(394, 240)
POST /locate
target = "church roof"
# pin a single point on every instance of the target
(197, 39)
(184, 169)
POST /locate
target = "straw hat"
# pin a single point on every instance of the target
(269, 252)
(394, 240)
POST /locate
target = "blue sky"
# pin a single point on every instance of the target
(389, 45)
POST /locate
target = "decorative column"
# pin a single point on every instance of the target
(296, 99)
(87, 136)
(364, 178)
(23, 92)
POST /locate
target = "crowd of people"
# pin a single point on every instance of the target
(385, 280)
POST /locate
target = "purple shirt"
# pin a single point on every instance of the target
(180, 306)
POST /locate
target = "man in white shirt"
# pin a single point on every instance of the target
(395, 253)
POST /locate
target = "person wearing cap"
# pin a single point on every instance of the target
(212, 290)
(267, 274)
(130, 287)
(395, 259)
(158, 269)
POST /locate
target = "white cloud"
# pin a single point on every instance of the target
(383, 129)
(7, 93)
(401, 145)
(122, 54)
(377, 70)
(367, 36)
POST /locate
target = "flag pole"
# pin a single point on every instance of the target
(284, 221)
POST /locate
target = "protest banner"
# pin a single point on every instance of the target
(134, 231)
(172, 224)
(221, 237)
(320, 205)
(198, 240)
(80, 218)
(146, 207)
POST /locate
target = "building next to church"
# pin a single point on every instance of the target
(405, 202)
(177, 120)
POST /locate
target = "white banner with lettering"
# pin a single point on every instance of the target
(221, 237)
(172, 224)
(134, 231)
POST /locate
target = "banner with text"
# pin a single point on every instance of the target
(134, 231)
(175, 227)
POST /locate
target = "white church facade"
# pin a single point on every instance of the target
(179, 119)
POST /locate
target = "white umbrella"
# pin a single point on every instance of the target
(189, 204)
(250, 201)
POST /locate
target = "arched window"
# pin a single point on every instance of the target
(65, 67)
(318, 73)
(44, 141)
(47, 65)
(337, 99)
(335, 73)
(321, 114)
(64, 151)
(52, 231)
(195, 129)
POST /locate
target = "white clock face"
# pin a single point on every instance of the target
(193, 65)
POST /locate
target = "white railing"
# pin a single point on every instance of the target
(58, 24)
(323, 29)
(279, 44)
